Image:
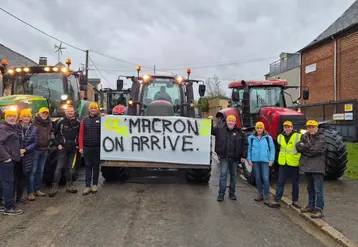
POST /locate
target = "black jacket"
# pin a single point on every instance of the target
(66, 132)
(225, 137)
(9, 142)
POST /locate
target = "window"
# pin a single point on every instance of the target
(162, 89)
(73, 87)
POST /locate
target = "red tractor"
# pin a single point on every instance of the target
(264, 101)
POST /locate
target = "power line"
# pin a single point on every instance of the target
(99, 72)
(49, 35)
(114, 58)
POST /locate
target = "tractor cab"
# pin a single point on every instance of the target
(161, 95)
(33, 87)
(114, 101)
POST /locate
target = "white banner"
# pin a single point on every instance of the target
(178, 140)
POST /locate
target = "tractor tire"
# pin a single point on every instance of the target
(116, 173)
(198, 175)
(249, 175)
(336, 154)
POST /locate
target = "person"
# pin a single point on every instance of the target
(66, 141)
(230, 144)
(9, 154)
(28, 139)
(44, 128)
(163, 95)
(313, 161)
(261, 155)
(288, 160)
(89, 146)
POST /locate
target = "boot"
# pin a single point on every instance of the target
(31, 197)
(267, 201)
(259, 198)
(317, 214)
(307, 209)
(70, 188)
(39, 193)
(86, 191)
(296, 205)
(220, 198)
(275, 204)
(94, 189)
(54, 190)
(232, 197)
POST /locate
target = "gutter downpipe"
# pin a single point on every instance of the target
(335, 68)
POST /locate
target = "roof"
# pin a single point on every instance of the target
(236, 84)
(14, 58)
(94, 81)
(347, 20)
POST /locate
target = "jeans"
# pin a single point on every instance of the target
(35, 179)
(65, 158)
(20, 180)
(228, 164)
(283, 173)
(7, 183)
(92, 159)
(315, 190)
(262, 172)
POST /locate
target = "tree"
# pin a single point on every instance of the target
(214, 87)
(203, 104)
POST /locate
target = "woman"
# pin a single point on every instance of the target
(28, 137)
(261, 155)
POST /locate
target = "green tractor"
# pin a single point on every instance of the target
(54, 87)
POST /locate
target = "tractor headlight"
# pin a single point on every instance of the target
(8, 107)
(303, 132)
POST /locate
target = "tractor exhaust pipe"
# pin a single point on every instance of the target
(246, 104)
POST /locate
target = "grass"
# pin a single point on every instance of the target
(352, 166)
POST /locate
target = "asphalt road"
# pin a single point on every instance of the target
(147, 211)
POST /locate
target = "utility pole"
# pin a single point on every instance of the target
(86, 68)
(154, 69)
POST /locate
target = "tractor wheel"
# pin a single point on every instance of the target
(336, 154)
(198, 175)
(248, 173)
(116, 173)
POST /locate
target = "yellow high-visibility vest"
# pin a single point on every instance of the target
(288, 154)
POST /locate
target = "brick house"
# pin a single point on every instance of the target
(329, 64)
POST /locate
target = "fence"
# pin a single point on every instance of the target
(283, 65)
(341, 114)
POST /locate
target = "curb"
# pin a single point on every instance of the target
(318, 223)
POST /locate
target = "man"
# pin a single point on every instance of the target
(163, 95)
(89, 146)
(44, 128)
(313, 162)
(230, 146)
(66, 137)
(9, 154)
(288, 160)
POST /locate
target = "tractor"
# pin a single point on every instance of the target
(111, 100)
(54, 87)
(160, 96)
(264, 101)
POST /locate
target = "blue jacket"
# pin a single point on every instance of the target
(259, 151)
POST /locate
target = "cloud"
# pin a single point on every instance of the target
(169, 34)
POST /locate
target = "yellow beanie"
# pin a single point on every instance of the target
(93, 104)
(9, 113)
(44, 109)
(260, 125)
(231, 117)
(25, 112)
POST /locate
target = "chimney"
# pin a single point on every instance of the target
(43, 61)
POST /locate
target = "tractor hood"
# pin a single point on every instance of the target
(22, 101)
(15, 99)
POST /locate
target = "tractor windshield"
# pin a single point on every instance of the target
(264, 96)
(162, 89)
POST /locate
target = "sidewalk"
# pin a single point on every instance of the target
(341, 204)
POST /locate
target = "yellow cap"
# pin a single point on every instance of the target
(311, 123)
(25, 112)
(259, 125)
(93, 104)
(288, 123)
(231, 117)
(9, 113)
(44, 109)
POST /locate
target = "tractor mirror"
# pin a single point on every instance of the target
(235, 95)
(202, 89)
(119, 84)
(83, 87)
(306, 94)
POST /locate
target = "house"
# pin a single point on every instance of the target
(330, 62)
(13, 58)
(216, 104)
(287, 68)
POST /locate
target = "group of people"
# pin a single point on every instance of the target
(25, 144)
(296, 152)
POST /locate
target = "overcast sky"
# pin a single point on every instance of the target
(205, 35)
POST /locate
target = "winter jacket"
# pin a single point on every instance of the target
(28, 141)
(66, 133)
(90, 132)
(313, 150)
(44, 128)
(230, 143)
(9, 142)
(261, 150)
